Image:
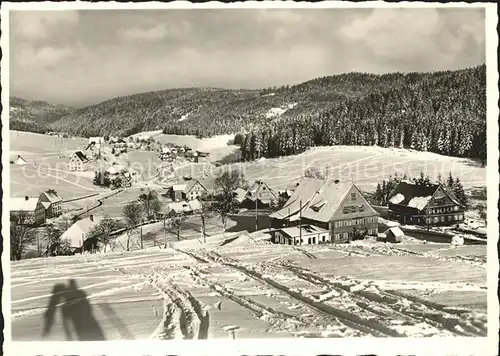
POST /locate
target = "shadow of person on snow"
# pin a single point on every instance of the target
(77, 317)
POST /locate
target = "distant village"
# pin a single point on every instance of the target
(311, 211)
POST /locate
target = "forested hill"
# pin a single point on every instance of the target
(442, 111)
(34, 116)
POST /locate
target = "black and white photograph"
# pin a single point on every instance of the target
(237, 173)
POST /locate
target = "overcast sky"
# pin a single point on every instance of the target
(84, 57)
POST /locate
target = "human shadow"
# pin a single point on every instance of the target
(77, 317)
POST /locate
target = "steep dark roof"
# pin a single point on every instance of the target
(408, 194)
(409, 191)
(81, 156)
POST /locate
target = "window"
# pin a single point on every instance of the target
(455, 208)
(442, 218)
(345, 235)
(353, 196)
(361, 208)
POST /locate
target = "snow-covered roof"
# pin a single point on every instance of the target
(185, 207)
(52, 197)
(395, 230)
(177, 187)
(23, 204)
(306, 230)
(115, 169)
(398, 198)
(79, 230)
(419, 202)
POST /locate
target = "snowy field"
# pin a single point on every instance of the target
(362, 164)
(192, 290)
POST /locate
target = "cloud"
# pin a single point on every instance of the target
(34, 25)
(419, 39)
(390, 33)
(152, 34)
(45, 57)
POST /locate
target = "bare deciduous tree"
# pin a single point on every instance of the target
(133, 214)
(21, 235)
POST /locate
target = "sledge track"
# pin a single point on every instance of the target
(276, 318)
(349, 319)
(308, 254)
(184, 312)
(433, 314)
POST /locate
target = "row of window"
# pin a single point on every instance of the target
(348, 235)
(442, 210)
(353, 209)
(362, 221)
(442, 219)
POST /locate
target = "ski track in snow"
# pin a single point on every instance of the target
(302, 301)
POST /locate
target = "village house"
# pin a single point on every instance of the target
(77, 233)
(191, 189)
(27, 211)
(78, 161)
(52, 204)
(118, 171)
(258, 195)
(424, 204)
(338, 207)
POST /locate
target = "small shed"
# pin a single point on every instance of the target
(393, 234)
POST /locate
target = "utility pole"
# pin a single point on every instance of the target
(257, 207)
(141, 237)
(300, 222)
(164, 231)
(38, 244)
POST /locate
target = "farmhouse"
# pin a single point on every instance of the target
(52, 203)
(191, 189)
(338, 207)
(27, 211)
(77, 233)
(424, 204)
(78, 161)
(258, 195)
(299, 235)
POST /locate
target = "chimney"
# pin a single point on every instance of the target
(337, 181)
(18, 156)
(26, 198)
(91, 217)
